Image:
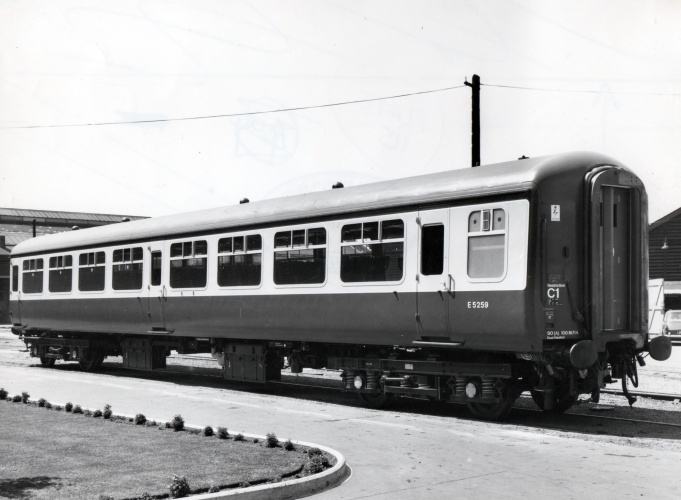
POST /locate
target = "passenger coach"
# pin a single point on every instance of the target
(470, 285)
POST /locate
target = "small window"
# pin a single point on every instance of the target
(32, 279)
(188, 264)
(302, 259)
(240, 261)
(432, 249)
(379, 257)
(487, 244)
(61, 274)
(15, 278)
(156, 268)
(127, 269)
(91, 271)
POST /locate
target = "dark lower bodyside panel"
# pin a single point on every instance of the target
(373, 319)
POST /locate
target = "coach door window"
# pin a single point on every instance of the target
(61, 273)
(156, 268)
(372, 251)
(91, 271)
(32, 281)
(188, 264)
(240, 260)
(127, 268)
(15, 278)
(300, 256)
(487, 244)
(432, 249)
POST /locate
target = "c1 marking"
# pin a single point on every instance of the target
(478, 305)
(553, 293)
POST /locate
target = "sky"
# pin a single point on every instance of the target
(215, 84)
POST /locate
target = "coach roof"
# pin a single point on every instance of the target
(499, 178)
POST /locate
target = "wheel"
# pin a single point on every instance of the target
(92, 361)
(375, 401)
(495, 411)
(562, 400)
(47, 362)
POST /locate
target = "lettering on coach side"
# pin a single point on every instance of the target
(478, 305)
(554, 292)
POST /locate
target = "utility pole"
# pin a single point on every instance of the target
(475, 121)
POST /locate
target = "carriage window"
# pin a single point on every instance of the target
(15, 278)
(240, 260)
(61, 273)
(127, 268)
(91, 271)
(432, 249)
(372, 251)
(487, 244)
(32, 280)
(156, 268)
(301, 259)
(188, 264)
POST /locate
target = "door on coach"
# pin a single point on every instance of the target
(434, 283)
(157, 296)
(616, 241)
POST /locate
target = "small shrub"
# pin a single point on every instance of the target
(169, 425)
(314, 452)
(87, 413)
(48, 405)
(154, 423)
(222, 433)
(16, 399)
(316, 465)
(208, 431)
(177, 423)
(179, 488)
(98, 413)
(213, 489)
(256, 440)
(239, 437)
(58, 408)
(68, 407)
(77, 409)
(145, 496)
(271, 441)
(107, 412)
(289, 446)
(3, 393)
(24, 397)
(106, 497)
(140, 419)
(42, 402)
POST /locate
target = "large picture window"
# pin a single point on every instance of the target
(127, 268)
(91, 271)
(240, 260)
(32, 279)
(300, 256)
(372, 251)
(487, 244)
(61, 274)
(188, 264)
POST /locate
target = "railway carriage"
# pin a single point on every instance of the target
(469, 285)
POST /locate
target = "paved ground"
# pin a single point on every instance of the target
(413, 451)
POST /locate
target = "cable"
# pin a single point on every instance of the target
(577, 91)
(230, 115)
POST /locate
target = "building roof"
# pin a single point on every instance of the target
(42, 216)
(501, 178)
(670, 216)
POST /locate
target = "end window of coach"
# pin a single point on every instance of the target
(32, 279)
(15, 278)
(487, 244)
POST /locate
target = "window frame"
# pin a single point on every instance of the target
(63, 262)
(132, 261)
(367, 241)
(490, 231)
(291, 247)
(96, 264)
(31, 266)
(234, 253)
(192, 256)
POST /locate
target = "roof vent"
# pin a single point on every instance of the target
(75, 228)
(243, 200)
(125, 219)
(337, 185)
(523, 157)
